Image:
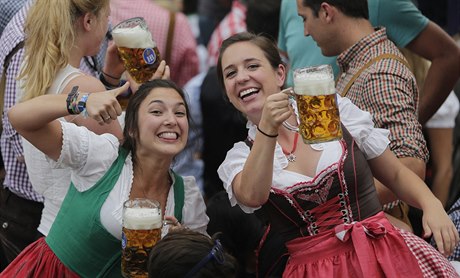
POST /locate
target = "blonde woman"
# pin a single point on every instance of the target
(58, 35)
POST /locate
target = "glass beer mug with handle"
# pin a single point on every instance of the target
(136, 48)
(141, 231)
(318, 113)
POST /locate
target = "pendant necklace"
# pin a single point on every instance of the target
(290, 155)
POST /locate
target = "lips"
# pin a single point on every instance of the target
(248, 92)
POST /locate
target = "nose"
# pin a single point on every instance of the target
(306, 33)
(170, 119)
(242, 76)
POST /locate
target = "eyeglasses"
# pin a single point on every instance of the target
(216, 253)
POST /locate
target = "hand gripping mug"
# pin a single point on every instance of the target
(137, 49)
(318, 113)
(141, 231)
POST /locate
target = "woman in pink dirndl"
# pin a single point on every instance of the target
(319, 203)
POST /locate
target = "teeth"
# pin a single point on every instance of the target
(168, 135)
(247, 92)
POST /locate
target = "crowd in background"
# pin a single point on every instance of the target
(77, 50)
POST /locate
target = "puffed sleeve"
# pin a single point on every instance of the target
(232, 165)
(370, 140)
(87, 154)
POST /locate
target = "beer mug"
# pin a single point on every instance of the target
(141, 231)
(136, 48)
(318, 113)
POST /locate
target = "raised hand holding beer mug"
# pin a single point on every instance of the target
(318, 113)
(142, 223)
(137, 48)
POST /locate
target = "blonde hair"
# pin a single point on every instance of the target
(50, 35)
(418, 65)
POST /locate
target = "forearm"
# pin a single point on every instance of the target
(252, 187)
(36, 113)
(415, 165)
(407, 186)
(444, 71)
(440, 80)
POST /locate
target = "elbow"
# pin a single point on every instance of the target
(252, 199)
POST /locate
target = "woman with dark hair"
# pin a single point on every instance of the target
(183, 253)
(85, 239)
(318, 202)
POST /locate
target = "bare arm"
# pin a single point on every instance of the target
(411, 189)
(252, 185)
(36, 119)
(90, 84)
(437, 46)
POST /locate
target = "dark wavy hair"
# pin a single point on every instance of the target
(353, 8)
(131, 129)
(180, 251)
(267, 45)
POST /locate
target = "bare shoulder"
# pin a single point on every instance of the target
(85, 83)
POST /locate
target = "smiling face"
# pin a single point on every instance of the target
(163, 124)
(249, 78)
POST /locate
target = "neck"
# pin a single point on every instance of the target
(353, 30)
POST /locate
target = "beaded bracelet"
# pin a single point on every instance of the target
(268, 135)
(82, 104)
(72, 105)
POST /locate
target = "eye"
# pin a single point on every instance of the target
(253, 66)
(156, 112)
(230, 74)
(181, 114)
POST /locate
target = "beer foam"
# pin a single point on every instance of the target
(142, 218)
(314, 84)
(135, 37)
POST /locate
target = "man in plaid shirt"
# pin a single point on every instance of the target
(375, 78)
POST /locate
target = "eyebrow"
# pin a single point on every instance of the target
(159, 101)
(245, 60)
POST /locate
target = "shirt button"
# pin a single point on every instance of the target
(5, 225)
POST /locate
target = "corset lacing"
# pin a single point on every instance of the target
(328, 215)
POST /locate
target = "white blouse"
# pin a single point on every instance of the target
(89, 156)
(370, 140)
(51, 183)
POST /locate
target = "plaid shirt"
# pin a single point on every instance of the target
(8, 9)
(184, 62)
(16, 178)
(234, 22)
(388, 90)
(454, 214)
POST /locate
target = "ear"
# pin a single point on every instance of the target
(327, 12)
(88, 21)
(281, 75)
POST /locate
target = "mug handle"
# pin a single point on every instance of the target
(290, 92)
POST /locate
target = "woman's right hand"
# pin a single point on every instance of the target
(104, 106)
(276, 110)
(162, 72)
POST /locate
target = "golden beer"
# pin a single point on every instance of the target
(136, 48)
(141, 231)
(319, 118)
(141, 63)
(317, 104)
